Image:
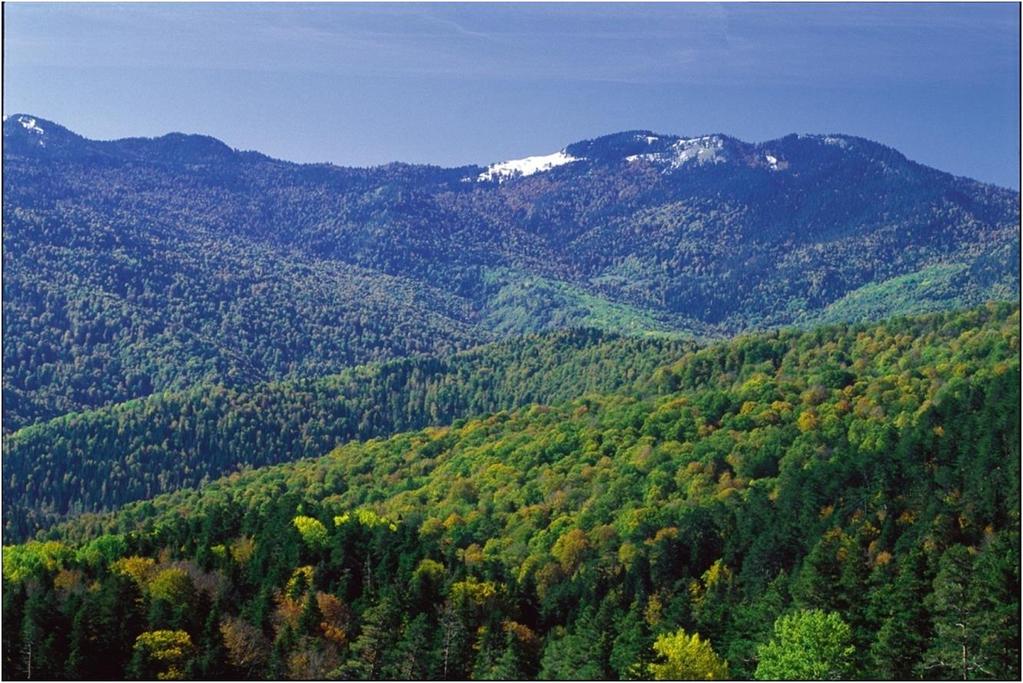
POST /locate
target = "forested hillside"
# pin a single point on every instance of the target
(101, 459)
(137, 266)
(839, 503)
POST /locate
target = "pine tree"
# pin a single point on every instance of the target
(905, 623)
(994, 596)
(953, 651)
(367, 651)
(632, 645)
(414, 655)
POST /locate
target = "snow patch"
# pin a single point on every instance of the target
(827, 140)
(29, 123)
(637, 157)
(528, 166)
(772, 161)
(708, 149)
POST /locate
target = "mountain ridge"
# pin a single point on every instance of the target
(603, 144)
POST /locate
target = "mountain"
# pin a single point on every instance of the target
(854, 487)
(142, 265)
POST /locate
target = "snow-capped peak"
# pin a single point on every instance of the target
(29, 123)
(527, 166)
(708, 149)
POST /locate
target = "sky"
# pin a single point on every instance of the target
(458, 84)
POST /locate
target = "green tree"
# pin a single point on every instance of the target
(312, 531)
(995, 596)
(631, 645)
(955, 650)
(368, 650)
(414, 656)
(807, 645)
(686, 657)
(574, 655)
(905, 622)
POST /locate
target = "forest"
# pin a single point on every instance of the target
(839, 502)
(103, 458)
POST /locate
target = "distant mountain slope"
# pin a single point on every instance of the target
(867, 471)
(136, 265)
(104, 458)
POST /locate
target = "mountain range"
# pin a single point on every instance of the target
(140, 265)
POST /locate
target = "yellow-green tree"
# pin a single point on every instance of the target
(166, 650)
(807, 645)
(171, 584)
(686, 657)
(312, 531)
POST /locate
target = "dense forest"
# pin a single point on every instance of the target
(101, 459)
(136, 266)
(835, 503)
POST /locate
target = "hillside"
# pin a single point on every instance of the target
(103, 458)
(861, 480)
(137, 266)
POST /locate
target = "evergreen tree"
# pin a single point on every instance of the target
(632, 644)
(905, 623)
(954, 650)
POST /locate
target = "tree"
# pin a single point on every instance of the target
(511, 665)
(955, 650)
(631, 644)
(171, 585)
(455, 639)
(905, 623)
(246, 645)
(577, 654)
(211, 658)
(413, 657)
(163, 653)
(368, 650)
(996, 590)
(686, 657)
(312, 531)
(807, 645)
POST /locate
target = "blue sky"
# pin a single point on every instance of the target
(454, 84)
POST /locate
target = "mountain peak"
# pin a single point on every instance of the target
(29, 123)
(30, 135)
(671, 152)
(178, 148)
(33, 128)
